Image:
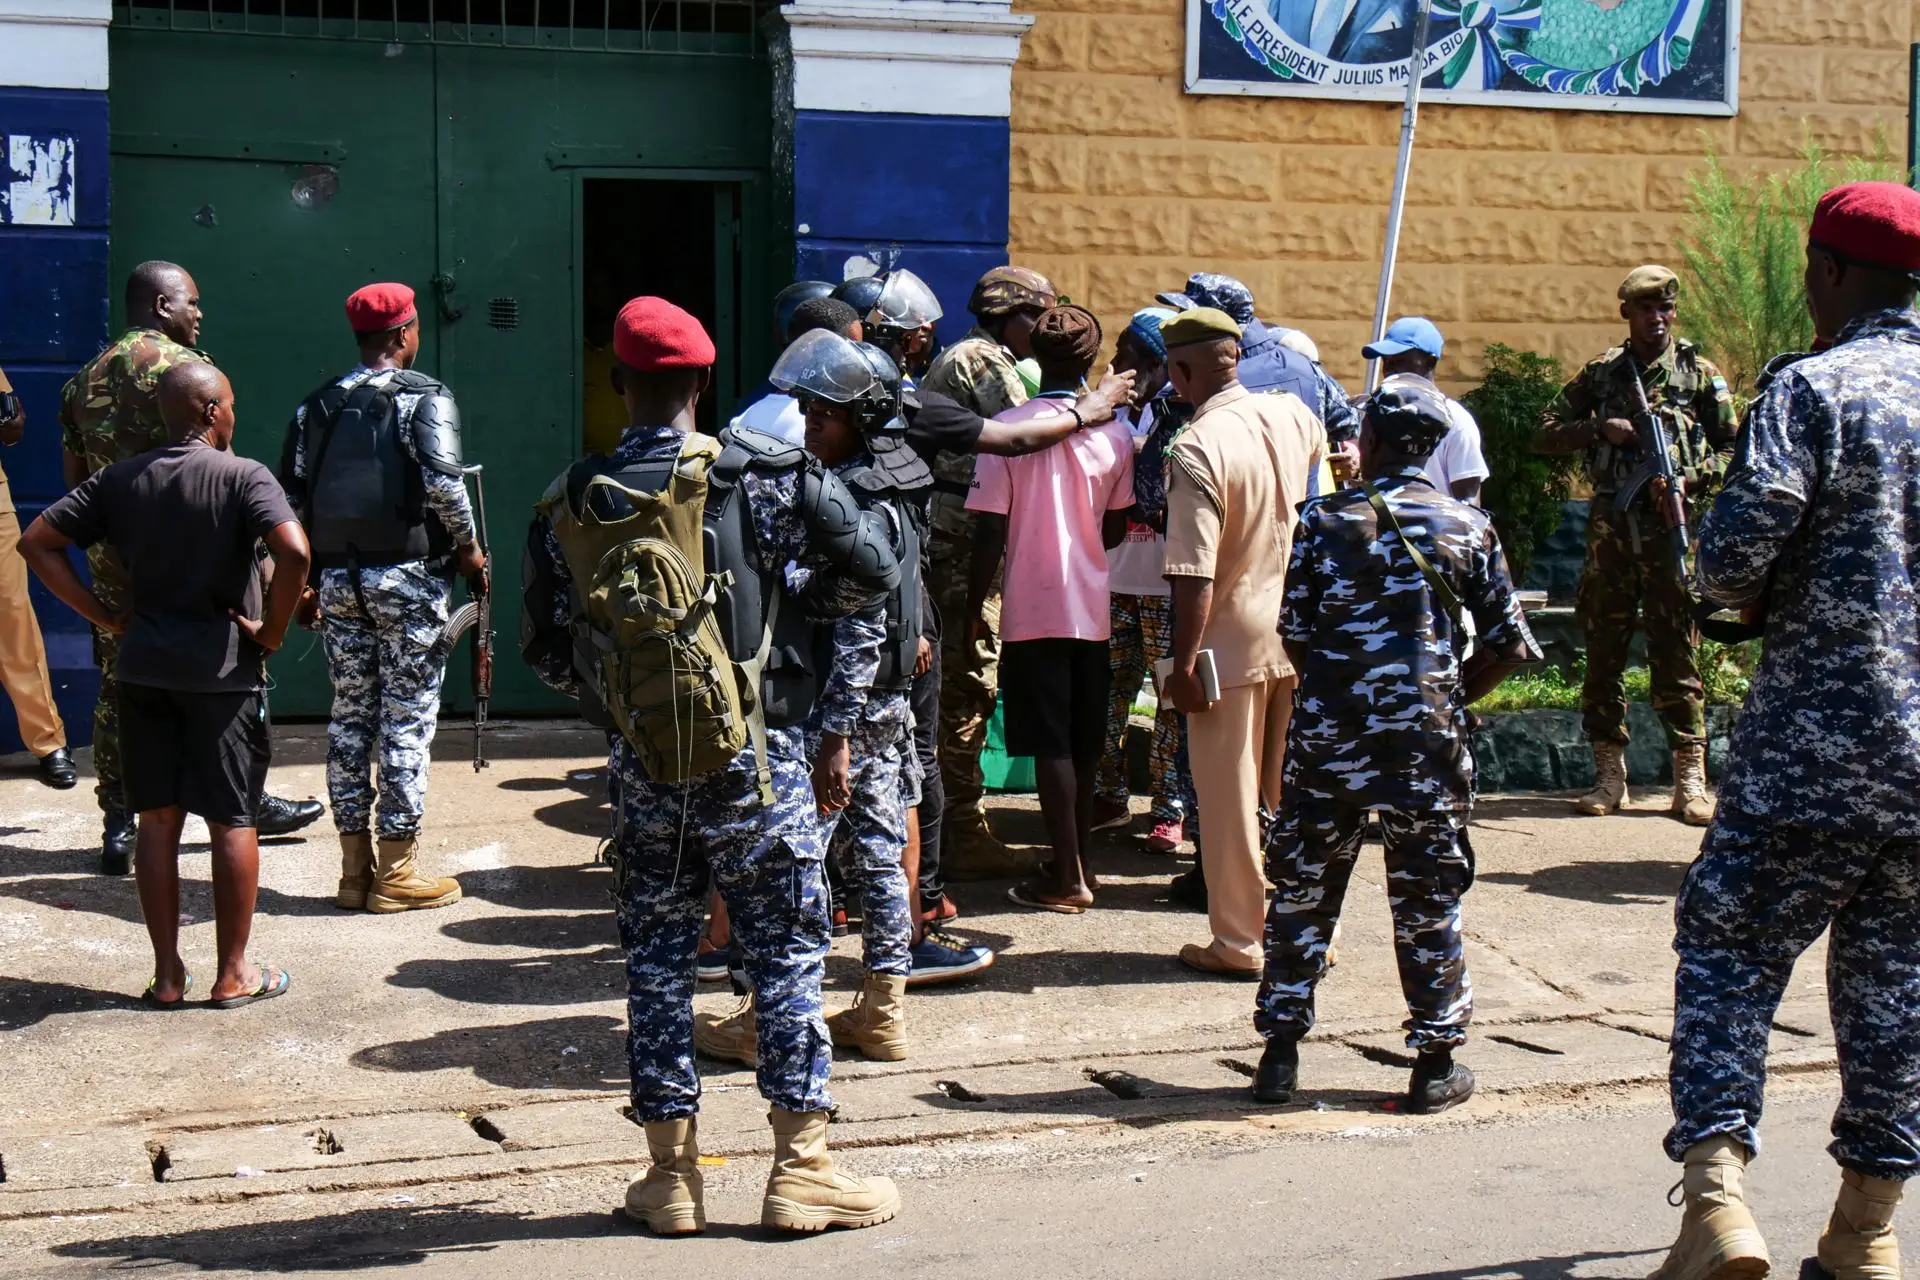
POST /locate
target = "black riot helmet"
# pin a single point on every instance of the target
(790, 299)
(860, 293)
(822, 365)
(904, 305)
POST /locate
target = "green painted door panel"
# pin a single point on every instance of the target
(272, 270)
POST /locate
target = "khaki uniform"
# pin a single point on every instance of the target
(23, 654)
(979, 373)
(1629, 578)
(110, 412)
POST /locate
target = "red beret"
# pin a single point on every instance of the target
(380, 307)
(652, 333)
(1875, 223)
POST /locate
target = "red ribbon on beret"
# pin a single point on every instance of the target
(1875, 223)
(652, 334)
(380, 307)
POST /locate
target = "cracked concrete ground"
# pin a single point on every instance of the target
(495, 1027)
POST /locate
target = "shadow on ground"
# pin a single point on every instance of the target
(1572, 1266)
(586, 1052)
(1608, 883)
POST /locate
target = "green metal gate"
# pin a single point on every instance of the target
(288, 151)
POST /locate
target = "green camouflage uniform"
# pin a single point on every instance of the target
(979, 373)
(1622, 581)
(109, 412)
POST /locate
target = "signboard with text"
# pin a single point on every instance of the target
(1675, 56)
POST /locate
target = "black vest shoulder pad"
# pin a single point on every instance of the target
(763, 452)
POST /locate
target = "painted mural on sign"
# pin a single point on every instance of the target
(36, 184)
(1629, 55)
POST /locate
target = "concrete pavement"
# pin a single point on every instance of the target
(486, 1040)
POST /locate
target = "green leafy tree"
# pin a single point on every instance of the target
(1525, 491)
(1743, 245)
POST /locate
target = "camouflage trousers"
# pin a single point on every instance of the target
(109, 586)
(1310, 855)
(969, 679)
(869, 836)
(1142, 635)
(1620, 589)
(381, 648)
(1760, 893)
(673, 840)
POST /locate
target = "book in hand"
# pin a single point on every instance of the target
(1203, 667)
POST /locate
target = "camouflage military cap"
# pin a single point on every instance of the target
(1408, 411)
(1651, 281)
(1008, 289)
(1202, 324)
(1222, 293)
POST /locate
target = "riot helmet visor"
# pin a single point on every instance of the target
(822, 365)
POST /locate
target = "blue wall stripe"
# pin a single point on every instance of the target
(901, 177)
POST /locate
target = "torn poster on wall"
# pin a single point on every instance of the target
(37, 182)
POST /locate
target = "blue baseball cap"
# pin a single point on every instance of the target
(1408, 333)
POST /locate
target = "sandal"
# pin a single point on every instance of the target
(267, 990)
(154, 1002)
(1022, 896)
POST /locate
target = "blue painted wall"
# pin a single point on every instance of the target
(936, 185)
(54, 280)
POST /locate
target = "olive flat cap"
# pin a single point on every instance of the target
(1202, 324)
(1650, 281)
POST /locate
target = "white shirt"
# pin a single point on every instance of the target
(777, 415)
(1458, 457)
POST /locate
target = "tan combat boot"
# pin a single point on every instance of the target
(1719, 1239)
(1859, 1243)
(398, 884)
(1609, 780)
(1690, 801)
(668, 1200)
(806, 1193)
(356, 870)
(877, 1023)
(970, 851)
(730, 1037)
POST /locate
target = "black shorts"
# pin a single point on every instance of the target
(1055, 698)
(206, 753)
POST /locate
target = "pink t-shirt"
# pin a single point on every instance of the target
(1054, 500)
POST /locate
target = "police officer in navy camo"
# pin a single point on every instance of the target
(1380, 577)
(1818, 529)
(372, 462)
(751, 831)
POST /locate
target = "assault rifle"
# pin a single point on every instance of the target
(476, 615)
(1656, 463)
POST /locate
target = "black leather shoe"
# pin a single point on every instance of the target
(57, 771)
(1279, 1073)
(1189, 890)
(1438, 1083)
(116, 844)
(277, 817)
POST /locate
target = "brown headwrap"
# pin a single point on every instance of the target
(1066, 336)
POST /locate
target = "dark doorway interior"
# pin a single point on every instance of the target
(642, 236)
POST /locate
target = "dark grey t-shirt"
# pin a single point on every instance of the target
(186, 519)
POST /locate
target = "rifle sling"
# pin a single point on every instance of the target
(1441, 590)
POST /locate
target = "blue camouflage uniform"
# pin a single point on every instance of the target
(381, 635)
(672, 839)
(878, 725)
(1380, 723)
(1820, 517)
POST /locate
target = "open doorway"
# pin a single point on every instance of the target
(669, 238)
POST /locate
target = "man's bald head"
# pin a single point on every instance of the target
(161, 295)
(197, 400)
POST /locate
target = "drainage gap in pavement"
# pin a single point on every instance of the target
(1792, 1030)
(958, 1092)
(157, 1153)
(1121, 1084)
(1246, 1069)
(3, 1168)
(488, 1130)
(1528, 1045)
(324, 1143)
(1384, 1057)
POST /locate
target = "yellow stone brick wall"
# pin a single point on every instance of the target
(1520, 223)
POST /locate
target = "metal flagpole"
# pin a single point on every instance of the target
(1416, 72)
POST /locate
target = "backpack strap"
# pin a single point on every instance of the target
(1441, 590)
(724, 460)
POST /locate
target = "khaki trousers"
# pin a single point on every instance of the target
(1237, 748)
(23, 656)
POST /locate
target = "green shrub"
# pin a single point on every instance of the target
(1726, 671)
(1743, 246)
(1526, 489)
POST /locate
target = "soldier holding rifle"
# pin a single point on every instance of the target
(1654, 385)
